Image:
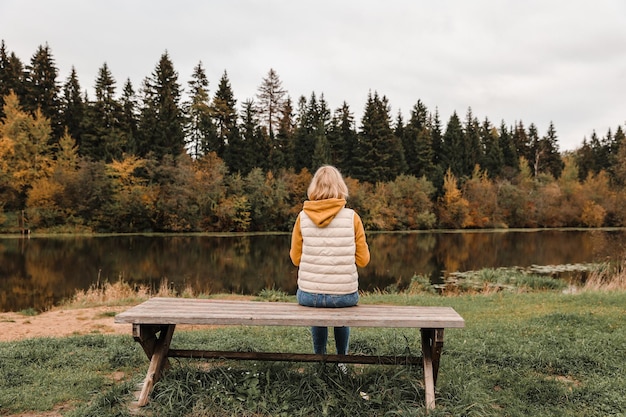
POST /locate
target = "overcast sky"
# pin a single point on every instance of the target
(536, 61)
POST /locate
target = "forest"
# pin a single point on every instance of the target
(169, 156)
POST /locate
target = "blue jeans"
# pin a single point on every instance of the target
(320, 334)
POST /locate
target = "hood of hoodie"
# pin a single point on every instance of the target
(322, 212)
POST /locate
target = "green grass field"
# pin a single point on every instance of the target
(540, 353)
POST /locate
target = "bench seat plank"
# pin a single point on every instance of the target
(227, 312)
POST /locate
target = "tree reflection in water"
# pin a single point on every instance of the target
(38, 272)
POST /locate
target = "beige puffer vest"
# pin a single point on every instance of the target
(328, 255)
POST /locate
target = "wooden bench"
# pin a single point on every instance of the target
(154, 322)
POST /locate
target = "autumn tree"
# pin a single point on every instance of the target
(481, 195)
(25, 152)
(452, 208)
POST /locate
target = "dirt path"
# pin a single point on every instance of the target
(61, 322)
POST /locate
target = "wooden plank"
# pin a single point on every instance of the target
(226, 312)
(295, 357)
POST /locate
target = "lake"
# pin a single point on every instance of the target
(39, 272)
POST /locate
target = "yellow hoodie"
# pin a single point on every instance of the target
(322, 212)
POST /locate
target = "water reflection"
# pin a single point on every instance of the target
(40, 271)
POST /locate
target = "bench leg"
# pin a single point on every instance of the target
(432, 344)
(158, 359)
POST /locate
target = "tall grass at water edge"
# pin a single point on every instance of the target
(529, 352)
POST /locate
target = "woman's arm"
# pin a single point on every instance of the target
(362, 255)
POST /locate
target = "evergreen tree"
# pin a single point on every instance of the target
(102, 138)
(436, 139)
(129, 116)
(493, 160)
(552, 161)
(380, 155)
(73, 107)
(417, 142)
(161, 120)
(270, 102)
(322, 152)
(282, 152)
(584, 160)
(201, 135)
(521, 142)
(305, 132)
(224, 113)
(509, 151)
(536, 151)
(11, 76)
(250, 148)
(453, 147)
(472, 148)
(42, 90)
(346, 139)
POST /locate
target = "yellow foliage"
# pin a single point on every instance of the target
(593, 214)
(453, 209)
(43, 193)
(123, 170)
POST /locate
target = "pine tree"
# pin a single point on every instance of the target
(161, 120)
(380, 155)
(201, 135)
(305, 132)
(493, 160)
(11, 76)
(417, 142)
(535, 148)
(522, 142)
(129, 117)
(472, 149)
(249, 148)
(346, 139)
(103, 139)
(282, 152)
(552, 161)
(73, 107)
(509, 151)
(224, 113)
(270, 102)
(453, 147)
(42, 90)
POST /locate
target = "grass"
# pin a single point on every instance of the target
(529, 348)
(542, 353)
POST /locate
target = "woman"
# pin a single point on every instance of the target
(327, 244)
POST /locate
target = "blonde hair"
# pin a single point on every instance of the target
(327, 183)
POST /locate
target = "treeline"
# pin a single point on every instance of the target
(166, 158)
